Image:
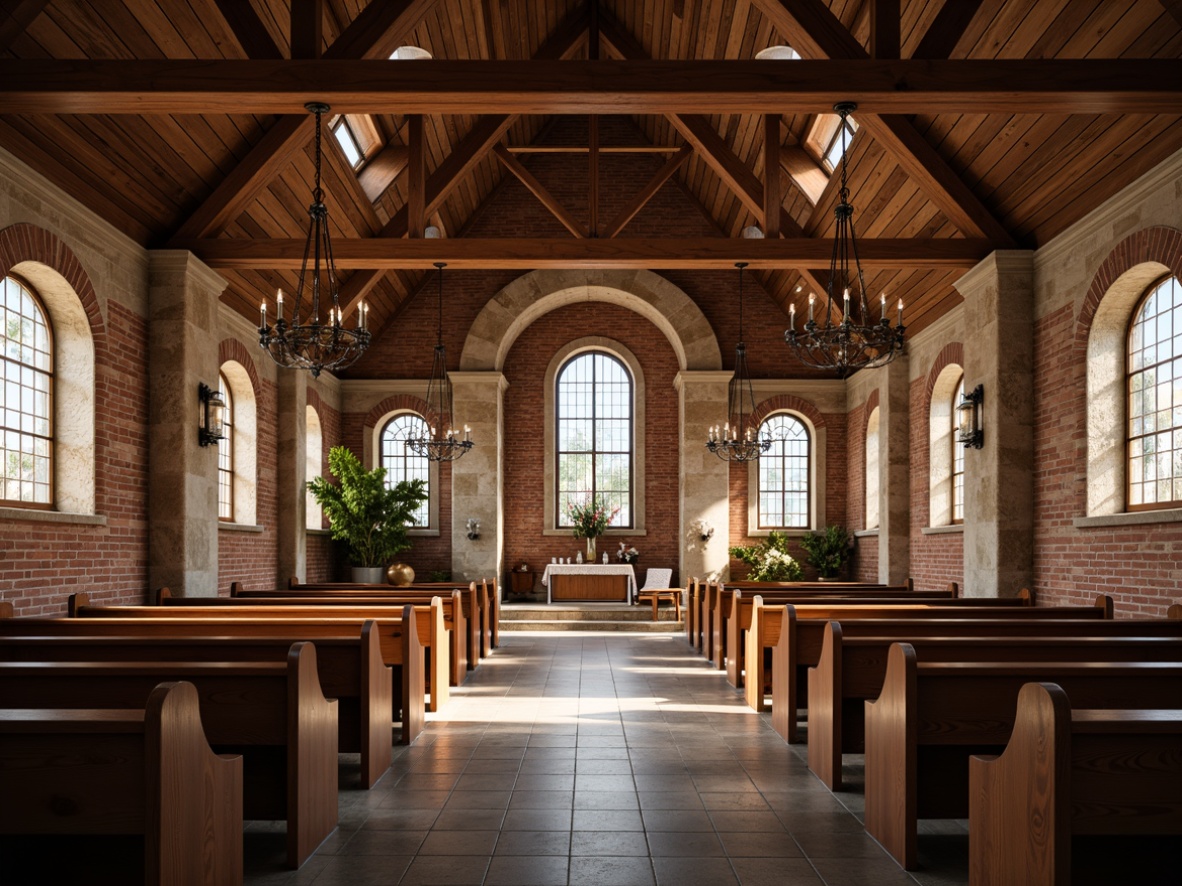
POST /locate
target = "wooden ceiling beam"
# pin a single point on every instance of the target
(1174, 8)
(248, 29)
(539, 190)
(773, 196)
(885, 26)
(947, 28)
(384, 254)
(16, 17)
(369, 33)
(307, 28)
(647, 193)
(416, 182)
(815, 31)
(236, 86)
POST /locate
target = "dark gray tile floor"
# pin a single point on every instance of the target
(607, 760)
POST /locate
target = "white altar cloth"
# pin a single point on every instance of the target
(590, 569)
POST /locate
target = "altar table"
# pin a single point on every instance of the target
(586, 582)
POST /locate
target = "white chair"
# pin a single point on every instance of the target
(656, 587)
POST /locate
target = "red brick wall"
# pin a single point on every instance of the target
(42, 563)
(1138, 565)
(319, 552)
(525, 369)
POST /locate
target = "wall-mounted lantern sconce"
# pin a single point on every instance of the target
(704, 530)
(473, 529)
(971, 433)
(210, 421)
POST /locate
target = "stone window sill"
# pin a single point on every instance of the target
(239, 527)
(866, 533)
(950, 529)
(611, 533)
(327, 533)
(423, 533)
(1130, 518)
(34, 515)
(791, 533)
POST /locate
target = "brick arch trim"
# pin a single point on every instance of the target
(232, 349)
(782, 402)
(313, 400)
(407, 402)
(870, 405)
(25, 242)
(1157, 244)
(952, 353)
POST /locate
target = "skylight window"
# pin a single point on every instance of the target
(833, 150)
(343, 133)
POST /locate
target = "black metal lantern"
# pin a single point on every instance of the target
(211, 423)
(969, 432)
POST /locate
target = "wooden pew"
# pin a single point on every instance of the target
(932, 716)
(273, 713)
(1083, 774)
(429, 621)
(146, 772)
(454, 618)
(474, 615)
(738, 620)
(851, 670)
(349, 665)
(795, 633)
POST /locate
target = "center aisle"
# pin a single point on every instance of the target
(596, 759)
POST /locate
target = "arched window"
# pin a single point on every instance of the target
(872, 470)
(1155, 399)
(401, 463)
(957, 456)
(313, 465)
(594, 414)
(226, 454)
(784, 474)
(26, 399)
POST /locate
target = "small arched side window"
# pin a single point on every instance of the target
(226, 454)
(313, 465)
(26, 398)
(957, 456)
(1154, 374)
(784, 473)
(401, 462)
(872, 444)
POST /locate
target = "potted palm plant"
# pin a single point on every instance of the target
(827, 550)
(370, 517)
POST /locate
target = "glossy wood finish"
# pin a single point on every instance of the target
(148, 771)
(602, 588)
(1075, 773)
(932, 716)
(274, 713)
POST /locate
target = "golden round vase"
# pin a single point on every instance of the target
(399, 575)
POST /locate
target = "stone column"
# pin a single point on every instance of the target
(291, 522)
(182, 475)
(703, 478)
(894, 472)
(999, 482)
(477, 478)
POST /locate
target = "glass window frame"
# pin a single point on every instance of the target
(810, 456)
(560, 520)
(51, 438)
(226, 474)
(956, 490)
(406, 457)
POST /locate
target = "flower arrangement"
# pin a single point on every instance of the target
(627, 555)
(828, 550)
(590, 519)
(769, 561)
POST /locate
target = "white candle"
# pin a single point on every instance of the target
(812, 299)
(900, 312)
(279, 304)
(467, 433)
(263, 314)
(845, 312)
(883, 299)
(792, 317)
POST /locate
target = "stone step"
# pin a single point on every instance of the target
(601, 625)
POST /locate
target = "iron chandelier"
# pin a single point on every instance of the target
(741, 441)
(857, 341)
(305, 342)
(441, 442)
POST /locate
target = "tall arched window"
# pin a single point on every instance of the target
(957, 457)
(26, 399)
(226, 454)
(313, 465)
(1155, 398)
(872, 470)
(401, 463)
(593, 412)
(784, 474)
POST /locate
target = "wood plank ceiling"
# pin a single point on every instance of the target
(1009, 179)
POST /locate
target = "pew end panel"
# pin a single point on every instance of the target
(892, 734)
(377, 685)
(413, 684)
(784, 655)
(825, 710)
(311, 758)
(753, 688)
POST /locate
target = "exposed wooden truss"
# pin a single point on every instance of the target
(1012, 86)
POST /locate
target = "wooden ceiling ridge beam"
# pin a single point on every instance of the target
(647, 193)
(376, 25)
(307, 28)
(248, 29)
(946, 29)
(16, 17)
(701, 135)
(570, 34)
(386, 254)
(540, 191)
(817, 32)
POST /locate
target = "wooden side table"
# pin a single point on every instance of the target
(521, 583)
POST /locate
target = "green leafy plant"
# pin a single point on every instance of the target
(827, 550)
(769, 561)
(367, 515)
(440, 575)
(590, 519)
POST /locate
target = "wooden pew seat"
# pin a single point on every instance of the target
(147, 772)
